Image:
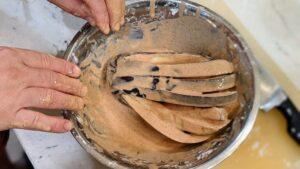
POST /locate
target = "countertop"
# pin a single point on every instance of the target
(267, 146)
(266, 25)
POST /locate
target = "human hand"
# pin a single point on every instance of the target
(31, 79)
(104, 14)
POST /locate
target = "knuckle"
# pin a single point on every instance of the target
(35, 121)
(46, 61)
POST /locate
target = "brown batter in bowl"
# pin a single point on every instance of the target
(111, 130)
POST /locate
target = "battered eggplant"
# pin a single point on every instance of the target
(161, 120)
(188, 70)
(192, 87)
(164, 58)
(186, 97)
(205, 100)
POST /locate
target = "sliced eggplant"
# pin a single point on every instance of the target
(211, 113)
(205, 100)
(189, 70)
(191, 87)
(164, 58)
(193, 122)
(161, 119)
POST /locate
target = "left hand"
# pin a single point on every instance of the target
(105, 14)
(30, 81)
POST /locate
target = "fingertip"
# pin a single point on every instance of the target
(61, 125)
(116, 27)
(105, 28)
(68, 126)
(75, 71)
(46, 128)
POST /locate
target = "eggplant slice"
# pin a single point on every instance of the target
(205, 100)
(164, 58)
(162, 121)
(192, 87)
(188, 98)
(188, 70)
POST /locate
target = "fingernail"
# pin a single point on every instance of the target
(117, 26)
(84, 91)
(68, 126)
(76, 71)
(106, 29)
(47, 128)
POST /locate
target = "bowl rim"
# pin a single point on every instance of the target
(241, 136)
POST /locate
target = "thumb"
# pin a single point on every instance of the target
(28, 119)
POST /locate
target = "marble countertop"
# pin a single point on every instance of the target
(275, 25)
(272, 24)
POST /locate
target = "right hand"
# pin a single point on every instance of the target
(104, 14)
(31, 79)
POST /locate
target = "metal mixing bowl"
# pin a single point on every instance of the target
(218, 39)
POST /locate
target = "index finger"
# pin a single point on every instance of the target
(115, 10)
(45, 61)
(100, 14)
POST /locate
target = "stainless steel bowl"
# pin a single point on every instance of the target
(220, 39)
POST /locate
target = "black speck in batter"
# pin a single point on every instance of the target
(135, 90)
(127, 78)
(127, 91)
(168, 81)
(154, 83)
(155, 69)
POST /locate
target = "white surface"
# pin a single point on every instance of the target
(275, 24)
(35, 24)
(25, 24)
(38, 25)
(55, 151)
